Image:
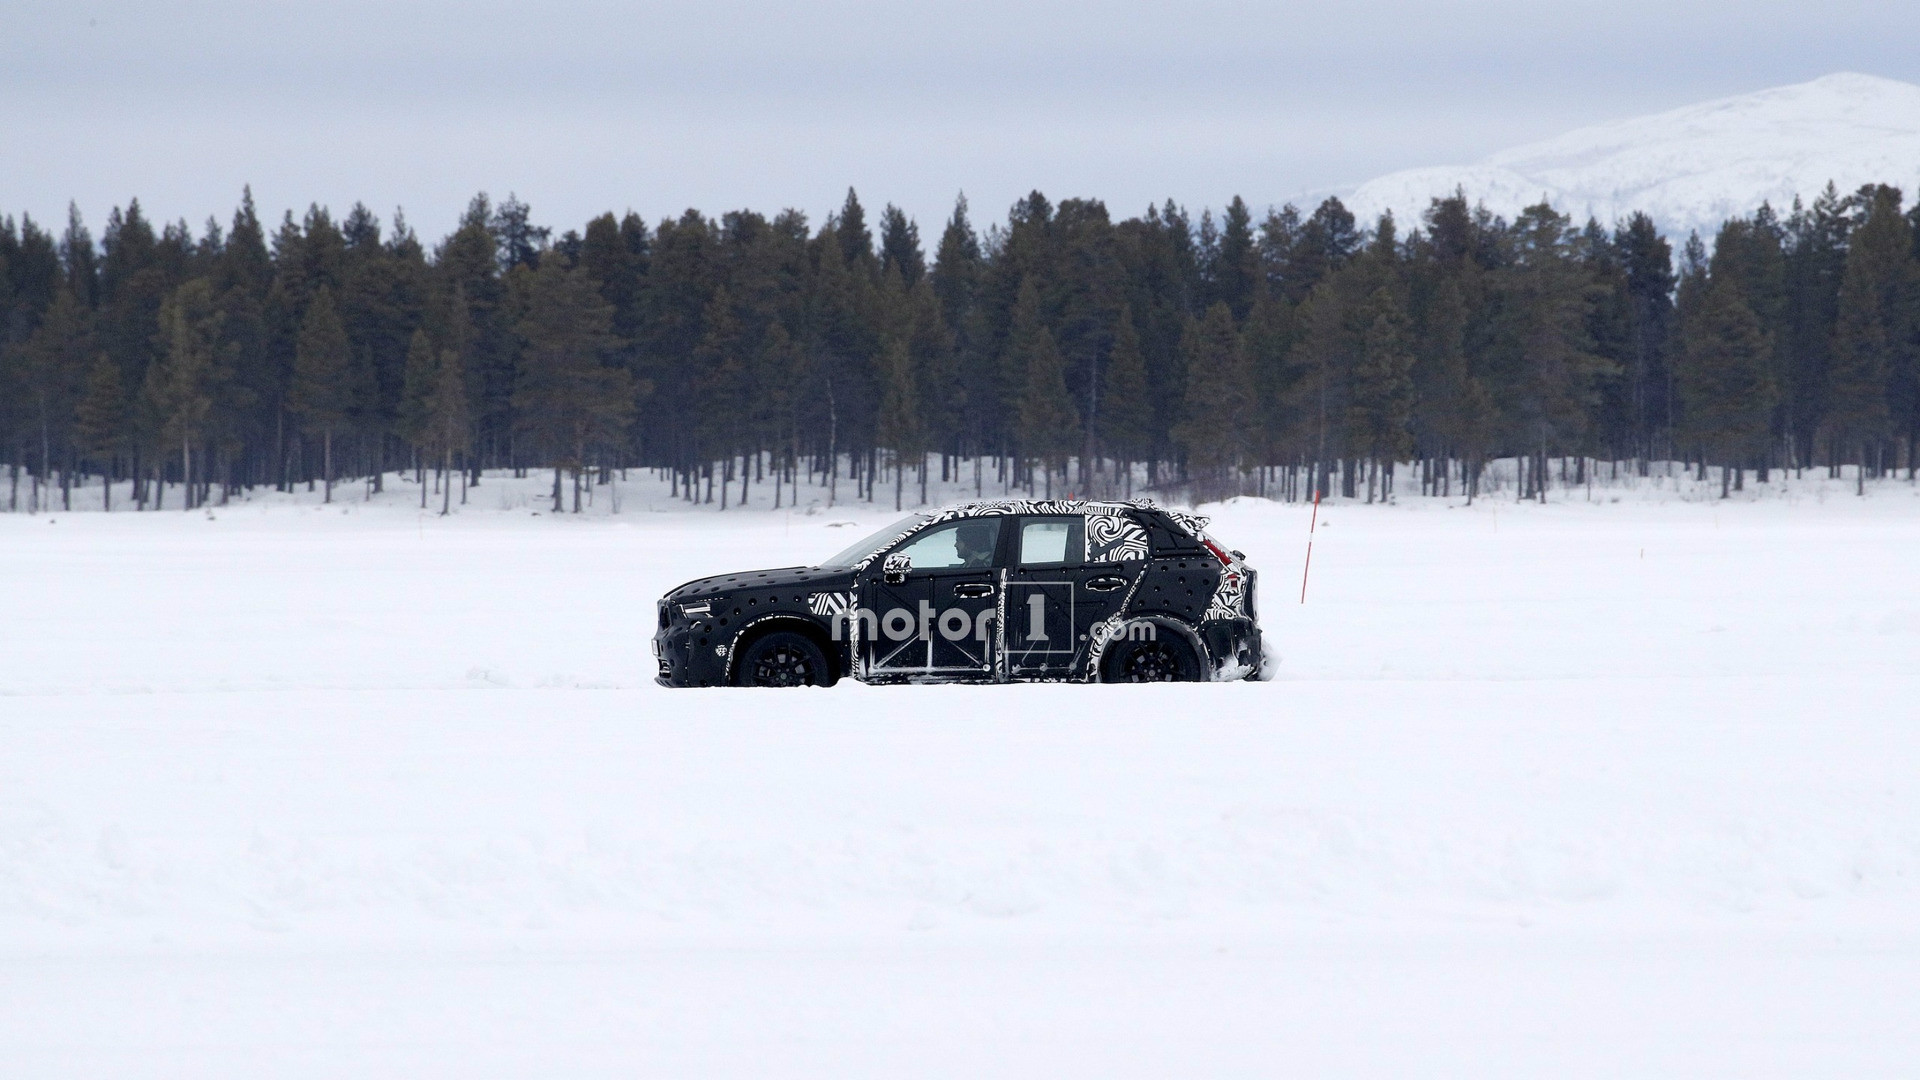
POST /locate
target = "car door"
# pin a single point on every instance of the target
(930, 606)
(1043, 593)
(1067, 574)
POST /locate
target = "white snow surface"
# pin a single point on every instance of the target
(1624, 784)
(1691, 168)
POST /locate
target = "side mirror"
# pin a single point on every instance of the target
(894, 570)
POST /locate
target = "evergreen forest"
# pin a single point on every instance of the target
(1058, 351)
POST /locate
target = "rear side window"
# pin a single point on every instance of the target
(1053, 541)
(1113, 538)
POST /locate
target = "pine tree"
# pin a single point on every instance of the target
(445, 420)
(244, 261)
(1236, 267)
(957, 273)
(569, 397)
(1217, 428)
(1126, 417)
(1874, 326)
(410, 418)
(898, 426)
(181, 386)
(1046, 425)
(1325, 243)
(101, 421)
(1451, 404)
(1647, 260)
(850, 229)
(937, 376)
(1816, 263)
(1725, 378)
(721, 382)
(80, 260)
(52, 368)
(1380, 408)
(1750, 253)
(900, 246)
(518, 241)
(321, 394)
(1269, 334)
(1320, 365)
(1547, 362)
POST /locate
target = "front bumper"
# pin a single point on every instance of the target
(689, 653)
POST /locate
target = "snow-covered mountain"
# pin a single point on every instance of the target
(1691, 168)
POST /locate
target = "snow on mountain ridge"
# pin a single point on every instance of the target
(1693, 167)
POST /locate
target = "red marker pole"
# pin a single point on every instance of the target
(1311, 525)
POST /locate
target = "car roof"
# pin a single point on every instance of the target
(1194, 524)
(1000, 507)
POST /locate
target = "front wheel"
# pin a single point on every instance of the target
(783, 658)
(1160, 660)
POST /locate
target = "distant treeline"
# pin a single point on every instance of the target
(1283, 355)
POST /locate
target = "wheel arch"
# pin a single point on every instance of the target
(1161, 623)
(767, 624)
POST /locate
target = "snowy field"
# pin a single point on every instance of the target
(1619, 786)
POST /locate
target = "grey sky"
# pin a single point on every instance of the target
(590, 106)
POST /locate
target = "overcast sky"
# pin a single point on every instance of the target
(584, 107)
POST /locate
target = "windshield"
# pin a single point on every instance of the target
(867, 545)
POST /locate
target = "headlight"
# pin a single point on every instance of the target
(696, 610)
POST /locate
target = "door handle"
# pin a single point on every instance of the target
(972, 590)
(1105, 584)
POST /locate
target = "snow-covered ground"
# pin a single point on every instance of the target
(1626, 785)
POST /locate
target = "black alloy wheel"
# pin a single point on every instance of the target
(1153, 661)
(783, 658)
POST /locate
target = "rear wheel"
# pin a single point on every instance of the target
(783, 658)
(1165, 659)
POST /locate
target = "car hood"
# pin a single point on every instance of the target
(811, 577)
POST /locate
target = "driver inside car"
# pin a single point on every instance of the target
(974, 544)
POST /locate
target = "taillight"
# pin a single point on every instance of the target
(1217, 553)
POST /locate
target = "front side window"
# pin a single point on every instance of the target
(1051, 542)
(965, 544)
(869, 544)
